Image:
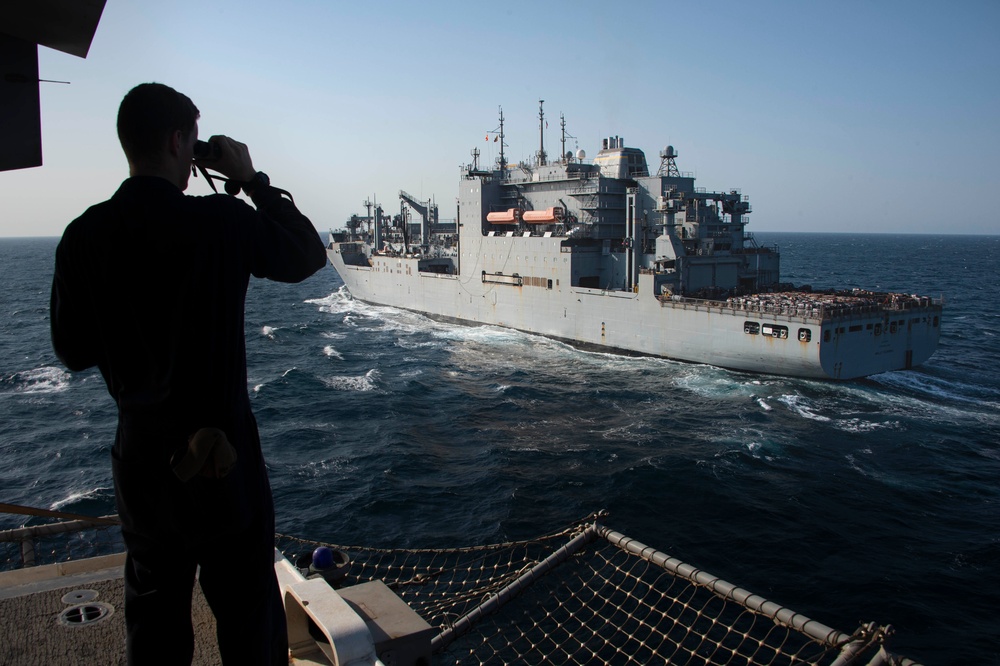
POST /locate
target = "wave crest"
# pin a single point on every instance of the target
(47, 379)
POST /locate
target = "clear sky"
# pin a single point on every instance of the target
(875, 116)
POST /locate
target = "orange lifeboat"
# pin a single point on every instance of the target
(547, 216)
(509, 216)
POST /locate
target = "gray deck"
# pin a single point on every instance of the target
(31, 633)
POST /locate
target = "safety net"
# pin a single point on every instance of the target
(590, 595)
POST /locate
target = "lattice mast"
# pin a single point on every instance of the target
(668, 163)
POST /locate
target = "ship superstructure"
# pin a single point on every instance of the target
(605, 253)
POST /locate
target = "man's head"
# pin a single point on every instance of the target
(157, 127)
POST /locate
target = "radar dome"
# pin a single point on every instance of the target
(580, 154)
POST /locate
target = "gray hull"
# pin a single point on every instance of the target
(843, 347)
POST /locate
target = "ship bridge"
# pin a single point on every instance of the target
(617, 161)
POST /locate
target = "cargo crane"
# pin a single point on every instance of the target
(428, 211)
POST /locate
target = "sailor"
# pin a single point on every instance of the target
(149, 286)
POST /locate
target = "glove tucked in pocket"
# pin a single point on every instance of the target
(208, 454)
(210, 499)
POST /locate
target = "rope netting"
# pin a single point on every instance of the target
(588, 595)
(583, 595)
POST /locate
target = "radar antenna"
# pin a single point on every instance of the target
(668, 163)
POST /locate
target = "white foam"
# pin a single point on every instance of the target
(337, 301)
(76, 497)
(862, 425)
(916, 394)
(332, 353)
(491, 335)
(362, 384)
(47, 379)
(711, 382)
(800, 406)
(268, 332)
(935, 387)
(407, 343)
(367, 316)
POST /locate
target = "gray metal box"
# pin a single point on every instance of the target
(402, 638)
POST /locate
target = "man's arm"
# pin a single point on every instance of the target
(71, 324)
(287, 246)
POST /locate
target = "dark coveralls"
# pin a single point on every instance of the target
(149, 286)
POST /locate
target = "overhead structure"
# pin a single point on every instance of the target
(64, 25)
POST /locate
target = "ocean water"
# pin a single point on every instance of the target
(876, 499)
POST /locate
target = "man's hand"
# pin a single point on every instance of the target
(234, 160)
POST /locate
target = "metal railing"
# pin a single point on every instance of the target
(74, 537)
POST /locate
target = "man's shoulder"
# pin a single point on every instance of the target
(90, 220)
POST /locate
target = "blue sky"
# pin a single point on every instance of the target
(842, 117)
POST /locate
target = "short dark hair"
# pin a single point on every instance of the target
(148, 114)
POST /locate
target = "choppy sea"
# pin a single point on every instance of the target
(876, 499)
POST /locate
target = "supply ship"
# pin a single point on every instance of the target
(605, 254)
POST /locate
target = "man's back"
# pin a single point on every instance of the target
(164, 277)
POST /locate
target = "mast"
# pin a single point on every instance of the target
(541, 133)
(562, 127)
(503, 160)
